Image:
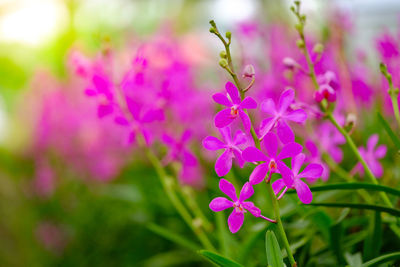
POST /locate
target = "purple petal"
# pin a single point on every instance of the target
(259, 173)
(238, 157)
(278, 185)
(380, 152)
(286, 173)
(153, 115)
(104, 110)
(220, 204)
(372, 141)
(121, 120)
(213, 143)
(90, 92)
(290, 150)
(235, 221)
(133, 107)
(233, 92)
(271, 144)
(297, 162)
(189, 159)
(222, 99)
(224, 163)
(226, 134)
(245, 119)
(102, 85)
(223, 118)
(303, 191)
(285, 100)
(266, 126)
(298, 116)
(228, 189)
(312, 171)
(310, 145)
(376, 169)
(284, 132)
(252, 154)
(168, 140)
(336, 153)
(248, 103)
(246, 192)
(186, 136)
(256, 212)
(268, 106)
(240, 138)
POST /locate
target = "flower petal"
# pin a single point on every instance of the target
(286, 173)
(228, 189)
(188, 158)
(121, 120)
(303, 192)
(235, 221)
(223, 118)
(285, 100)
(297, 162)
(252, 154)
(271, 144)
(312, 171)
(245, 119)
(259, 173)
(248, 103)
(186, 136)
(256, 212)
(284, 132)
(246, 192)
(224, 163)
(240, 138)
(380, 152)
(222, 99)
(220, 204)
(233, 92)
(268, 106)
(266, 126)
(213, 143)
(312, 148)
(226, 134)
(290, 150)
(372, 141)
(277, 186)
(104, 110)
(238, 157)
(298, 116)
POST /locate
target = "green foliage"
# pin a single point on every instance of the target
(218, 259)
(274, 255)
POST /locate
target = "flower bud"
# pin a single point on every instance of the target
(289, 63)
(325, 92)
(351, 120)
(318, 48)
(223, 63)
(228, 35)
(213, 30)
(249, 71)
(222, 54)
(300, 43)
(298, 27)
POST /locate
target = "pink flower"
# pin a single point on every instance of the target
(224, 163)
(103, 89)
(371, 155)
(325, 91)
(273, 161)
(312, 172)
(235, 107)
(240, 206)
(315, 157)
(330, 138)
(281, 116)
(178, 151)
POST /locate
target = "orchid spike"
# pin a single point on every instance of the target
(235, 108)
(272, 161)
(240, 206)
(281, 116)
(312, 172)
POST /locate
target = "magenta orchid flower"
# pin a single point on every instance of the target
(240, 206)
(325, 91)
(281, 116)
(272, 161)
(371, 154)
(235, 108)
(330, 138)
(178, 150)
(232, 151)
(103, 89)
(315, 157)
(312, 172)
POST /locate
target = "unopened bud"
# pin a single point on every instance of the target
(300, 43)
(223, 63)
(212, 23)
(318, 48)
(351, 120)
(222, 54)
(249, 71)
(213, 30)
(303, 18)
(297, 2)
(289, 63)
(228, 35)
(299, 27)
(383, 68)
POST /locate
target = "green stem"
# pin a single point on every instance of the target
(369, 174)
(281, 230)
(167, 183)
(395, 105)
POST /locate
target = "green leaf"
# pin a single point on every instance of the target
(382, 259)
(274, 255)
(373, 242)
(353, 186)
(391, 211)
(336, 234)
(218, 259)
(354, 260)
(389, 131)
(167, 234)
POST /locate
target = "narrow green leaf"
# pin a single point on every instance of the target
(353, 186)
(336, 234)
(391, 211)
(354, 260)
(218, 259)
(274, 255)
(382, 259)
(373, 242)
(389, 131)
(167, 234)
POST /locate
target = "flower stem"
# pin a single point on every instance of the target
(167, 183)
(281, 230)
(370, 175)
(393, 92)
(395, 106)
